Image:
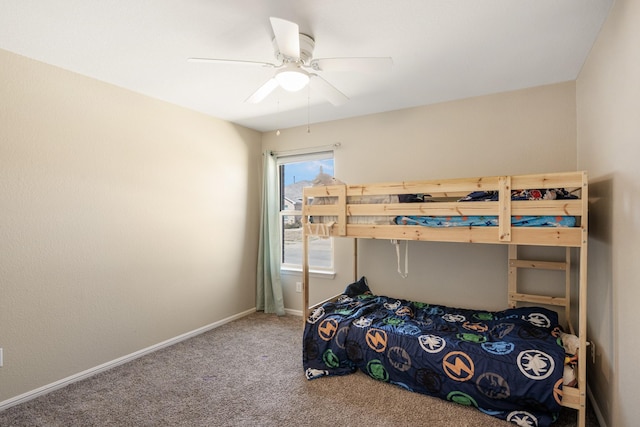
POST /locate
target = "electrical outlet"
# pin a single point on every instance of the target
(298, 286)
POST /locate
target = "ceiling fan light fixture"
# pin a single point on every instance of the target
(292, 79)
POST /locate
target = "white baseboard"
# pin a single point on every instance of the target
(293, 312)
(112, 364)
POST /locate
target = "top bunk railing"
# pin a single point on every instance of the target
(357, 210)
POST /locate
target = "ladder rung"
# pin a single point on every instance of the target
(538, 299)
(545, 265)
(571, 397)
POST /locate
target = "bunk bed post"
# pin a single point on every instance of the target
(567, 290)
(582, 305)
(513, 275)
(582, 334)
(355, 260)
(342, 215)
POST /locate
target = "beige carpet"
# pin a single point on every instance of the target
(245, 373)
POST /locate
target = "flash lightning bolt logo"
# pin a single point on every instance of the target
(458, 366)
(327, 329)
(376, 340)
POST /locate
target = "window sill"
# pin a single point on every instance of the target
(323, 274)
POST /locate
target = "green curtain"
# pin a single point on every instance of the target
(269, 291)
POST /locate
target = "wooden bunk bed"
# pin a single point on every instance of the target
(343, 205)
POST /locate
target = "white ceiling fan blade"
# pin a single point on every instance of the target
(263, 91)
(231, 61)
(364, 64)
(287, 37)
(328, 91)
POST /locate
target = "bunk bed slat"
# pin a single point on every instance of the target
(434, 209)
(446, 188)
(518, 207)
(545, 265)
(571, 399)
(549, 180)
(520, 235)
(324, 191)
(322, 210)
(538, 299)
(547, 207)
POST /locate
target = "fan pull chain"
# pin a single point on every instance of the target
(278, 116)
(308, 108)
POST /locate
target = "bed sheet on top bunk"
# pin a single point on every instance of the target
(508, 364)
(492, 221)
(486, 221)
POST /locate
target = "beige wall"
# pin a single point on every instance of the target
(608, 105)
(527, 131)
(124, 222)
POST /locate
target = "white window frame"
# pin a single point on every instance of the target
(282, 160)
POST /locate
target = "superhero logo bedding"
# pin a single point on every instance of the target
(508, 364)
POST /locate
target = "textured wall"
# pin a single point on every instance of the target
(125, 221)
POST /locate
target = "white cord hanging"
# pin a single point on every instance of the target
(406, 257)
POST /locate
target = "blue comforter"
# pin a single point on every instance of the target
(486, 221)
(508, 364)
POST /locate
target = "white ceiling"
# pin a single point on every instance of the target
(442, 49)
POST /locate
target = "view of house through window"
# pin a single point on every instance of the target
(295, 173)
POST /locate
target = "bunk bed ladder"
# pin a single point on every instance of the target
(515, 296)
(572, 397)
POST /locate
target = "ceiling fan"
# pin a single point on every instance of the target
(296, 65)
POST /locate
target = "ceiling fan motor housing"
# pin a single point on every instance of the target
(307, 44)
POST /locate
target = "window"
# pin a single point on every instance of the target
(295, 173)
